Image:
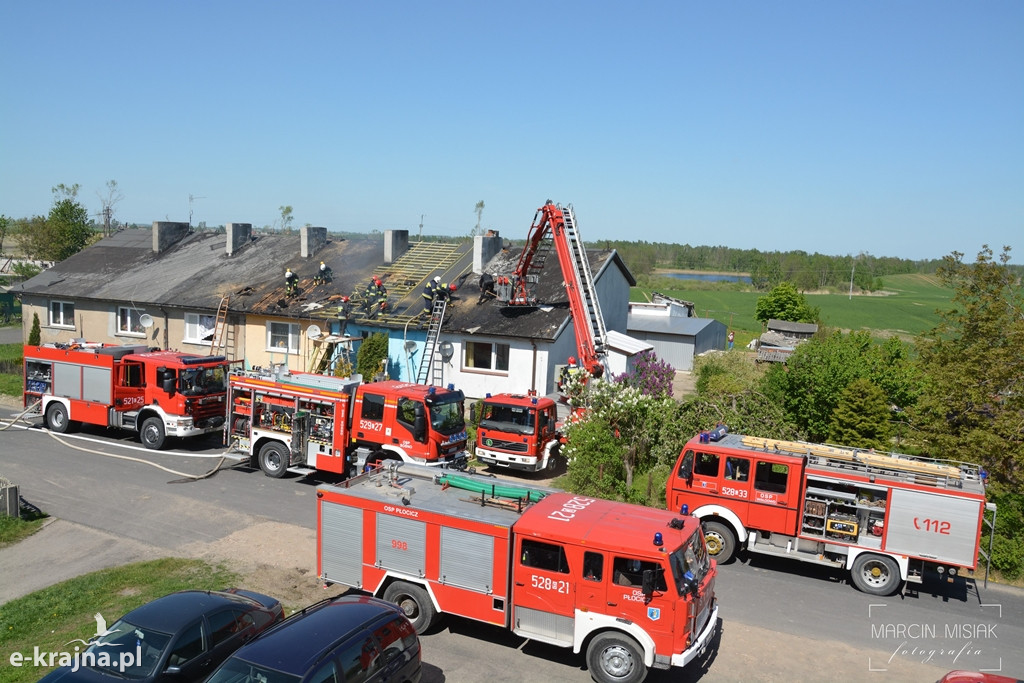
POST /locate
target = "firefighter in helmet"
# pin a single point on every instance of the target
(429, 290)
(323, 274)
(291, 281)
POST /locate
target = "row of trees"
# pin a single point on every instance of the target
(807, 272)
(955, 393)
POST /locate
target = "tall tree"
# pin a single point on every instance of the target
(784, 302)
(68, 223)
(5, 225)
(861, 417)
(973, 363)
(286, 218)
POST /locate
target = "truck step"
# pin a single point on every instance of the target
(304, 471)
(765, 548)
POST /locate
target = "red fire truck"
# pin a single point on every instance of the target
(633, 586)
(885, 518)
(518, 431)
(155, 393)
(303, 422)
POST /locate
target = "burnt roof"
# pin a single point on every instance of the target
(195, 272)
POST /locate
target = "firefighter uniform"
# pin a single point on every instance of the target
(291, 281)
(429, 290)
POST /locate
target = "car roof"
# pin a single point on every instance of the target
(174, 611)
(299, 642)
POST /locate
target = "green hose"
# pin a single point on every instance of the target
(495, 491)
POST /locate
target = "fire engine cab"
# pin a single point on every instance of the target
(885, 518)
(632, 586)
(152, 392)
(303, 422)
(518, 431)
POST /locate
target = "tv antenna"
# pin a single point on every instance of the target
(191, 198)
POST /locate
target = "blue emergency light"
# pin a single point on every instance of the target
(657, 539)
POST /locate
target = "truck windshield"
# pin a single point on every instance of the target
(201, 381)
(518, 419)
(446, 417)
(691, 558)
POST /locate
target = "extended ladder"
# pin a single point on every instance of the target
(219, 325)
(588, 294)
(430, 348)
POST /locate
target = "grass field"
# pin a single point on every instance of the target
(907, 308)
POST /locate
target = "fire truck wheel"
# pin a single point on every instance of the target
(274, 460)
(57, 418)
(615, 658)
(152, 433)
(720, 540)
(875, 574)
(415, 602)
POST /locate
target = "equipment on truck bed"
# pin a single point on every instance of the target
(885, 517)
(633, 586)
(155, 393)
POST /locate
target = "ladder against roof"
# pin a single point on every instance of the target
(588, 293)
(868, 459)
(219, 326)
(427, 362)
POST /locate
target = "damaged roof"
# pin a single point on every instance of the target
(196, 272)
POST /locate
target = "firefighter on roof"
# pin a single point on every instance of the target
(429, 289)
(323, 275)
(291, 281)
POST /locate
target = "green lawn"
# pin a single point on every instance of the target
(907, 310)
(49, 619)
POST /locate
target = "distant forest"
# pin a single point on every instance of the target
(808, 272)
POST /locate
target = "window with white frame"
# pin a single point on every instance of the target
(282, 337)
(129, 321)
(62, 314)
(485, 356)
(199, 328)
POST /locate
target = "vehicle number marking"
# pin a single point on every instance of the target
(936, 525)
(399, 545)
(132, 400)
(730, 491)
(547, 584)
(570, 508)
(371, 425)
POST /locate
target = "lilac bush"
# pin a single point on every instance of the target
(651, 375)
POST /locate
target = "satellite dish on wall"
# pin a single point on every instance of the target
(313, 331)
(410, 346)
(146, 320)
(446, 350)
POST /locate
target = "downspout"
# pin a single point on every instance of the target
(533, 376)
(166, 334)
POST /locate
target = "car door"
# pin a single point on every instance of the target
(230, 628)
(186, 660)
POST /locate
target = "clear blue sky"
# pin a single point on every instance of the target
(894, 128)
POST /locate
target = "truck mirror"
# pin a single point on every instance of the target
(686, 468)
(419, 426)
(168, 380)
(647, 586)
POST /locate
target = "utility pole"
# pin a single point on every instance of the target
(852, 268)
(190, 200)
(420, 238)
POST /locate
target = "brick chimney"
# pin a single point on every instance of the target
(485, 247)
(396, 243)
(312, 240)
(166, 233)
(239, 234)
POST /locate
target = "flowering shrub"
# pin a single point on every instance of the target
(651, 375)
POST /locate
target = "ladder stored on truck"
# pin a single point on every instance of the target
(918, 470)
(431, 369)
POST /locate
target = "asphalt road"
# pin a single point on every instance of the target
(779, 621)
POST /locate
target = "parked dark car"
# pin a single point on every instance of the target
(180, 637)
(350, 639)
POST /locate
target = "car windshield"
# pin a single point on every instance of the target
(690, 560)
(446, 417)
(139, 649)
(518, 419)
(237, 670)
(200, 381)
